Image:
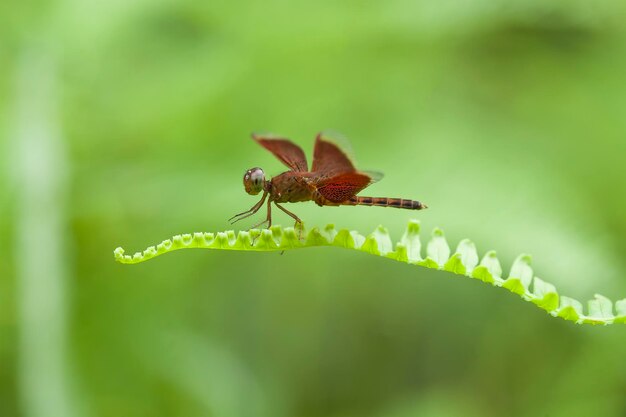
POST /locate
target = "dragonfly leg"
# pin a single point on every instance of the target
(268, 219)
(248, 213)
(296, 218)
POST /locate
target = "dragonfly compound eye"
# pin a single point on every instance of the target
(253, 180)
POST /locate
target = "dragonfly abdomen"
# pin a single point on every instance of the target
(385, 202)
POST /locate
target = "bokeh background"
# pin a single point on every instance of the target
(124, 123)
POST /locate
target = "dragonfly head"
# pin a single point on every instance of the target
(254, 181)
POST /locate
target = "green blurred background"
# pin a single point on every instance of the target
(124, 123)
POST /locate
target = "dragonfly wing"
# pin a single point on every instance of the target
(286, 151)
(329, 158)
(343, 187)
(375, 176)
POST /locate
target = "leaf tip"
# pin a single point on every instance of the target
(118, 253)
(437, 232)
(413, 227)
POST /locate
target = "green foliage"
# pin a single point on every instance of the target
(464, 261)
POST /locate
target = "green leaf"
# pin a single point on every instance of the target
(378, 243)
(469, 255)
(545, 294)
(437, 249)
(344, 239)
(463, 262)
(411, 242)
(489, 270)
(600, 310)
(316, 238)
(464, 259)
(455, 265)
(570, 309)
(620, 308)
(521, 275)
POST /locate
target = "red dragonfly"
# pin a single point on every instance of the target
(332, 181)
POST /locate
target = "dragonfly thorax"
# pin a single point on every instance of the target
(254, 181)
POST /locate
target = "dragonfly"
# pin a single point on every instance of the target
(332, 180)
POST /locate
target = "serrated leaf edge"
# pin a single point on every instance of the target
(464, 261)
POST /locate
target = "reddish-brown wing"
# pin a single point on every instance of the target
(344, 186)
(288, 152)
(329, 160)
